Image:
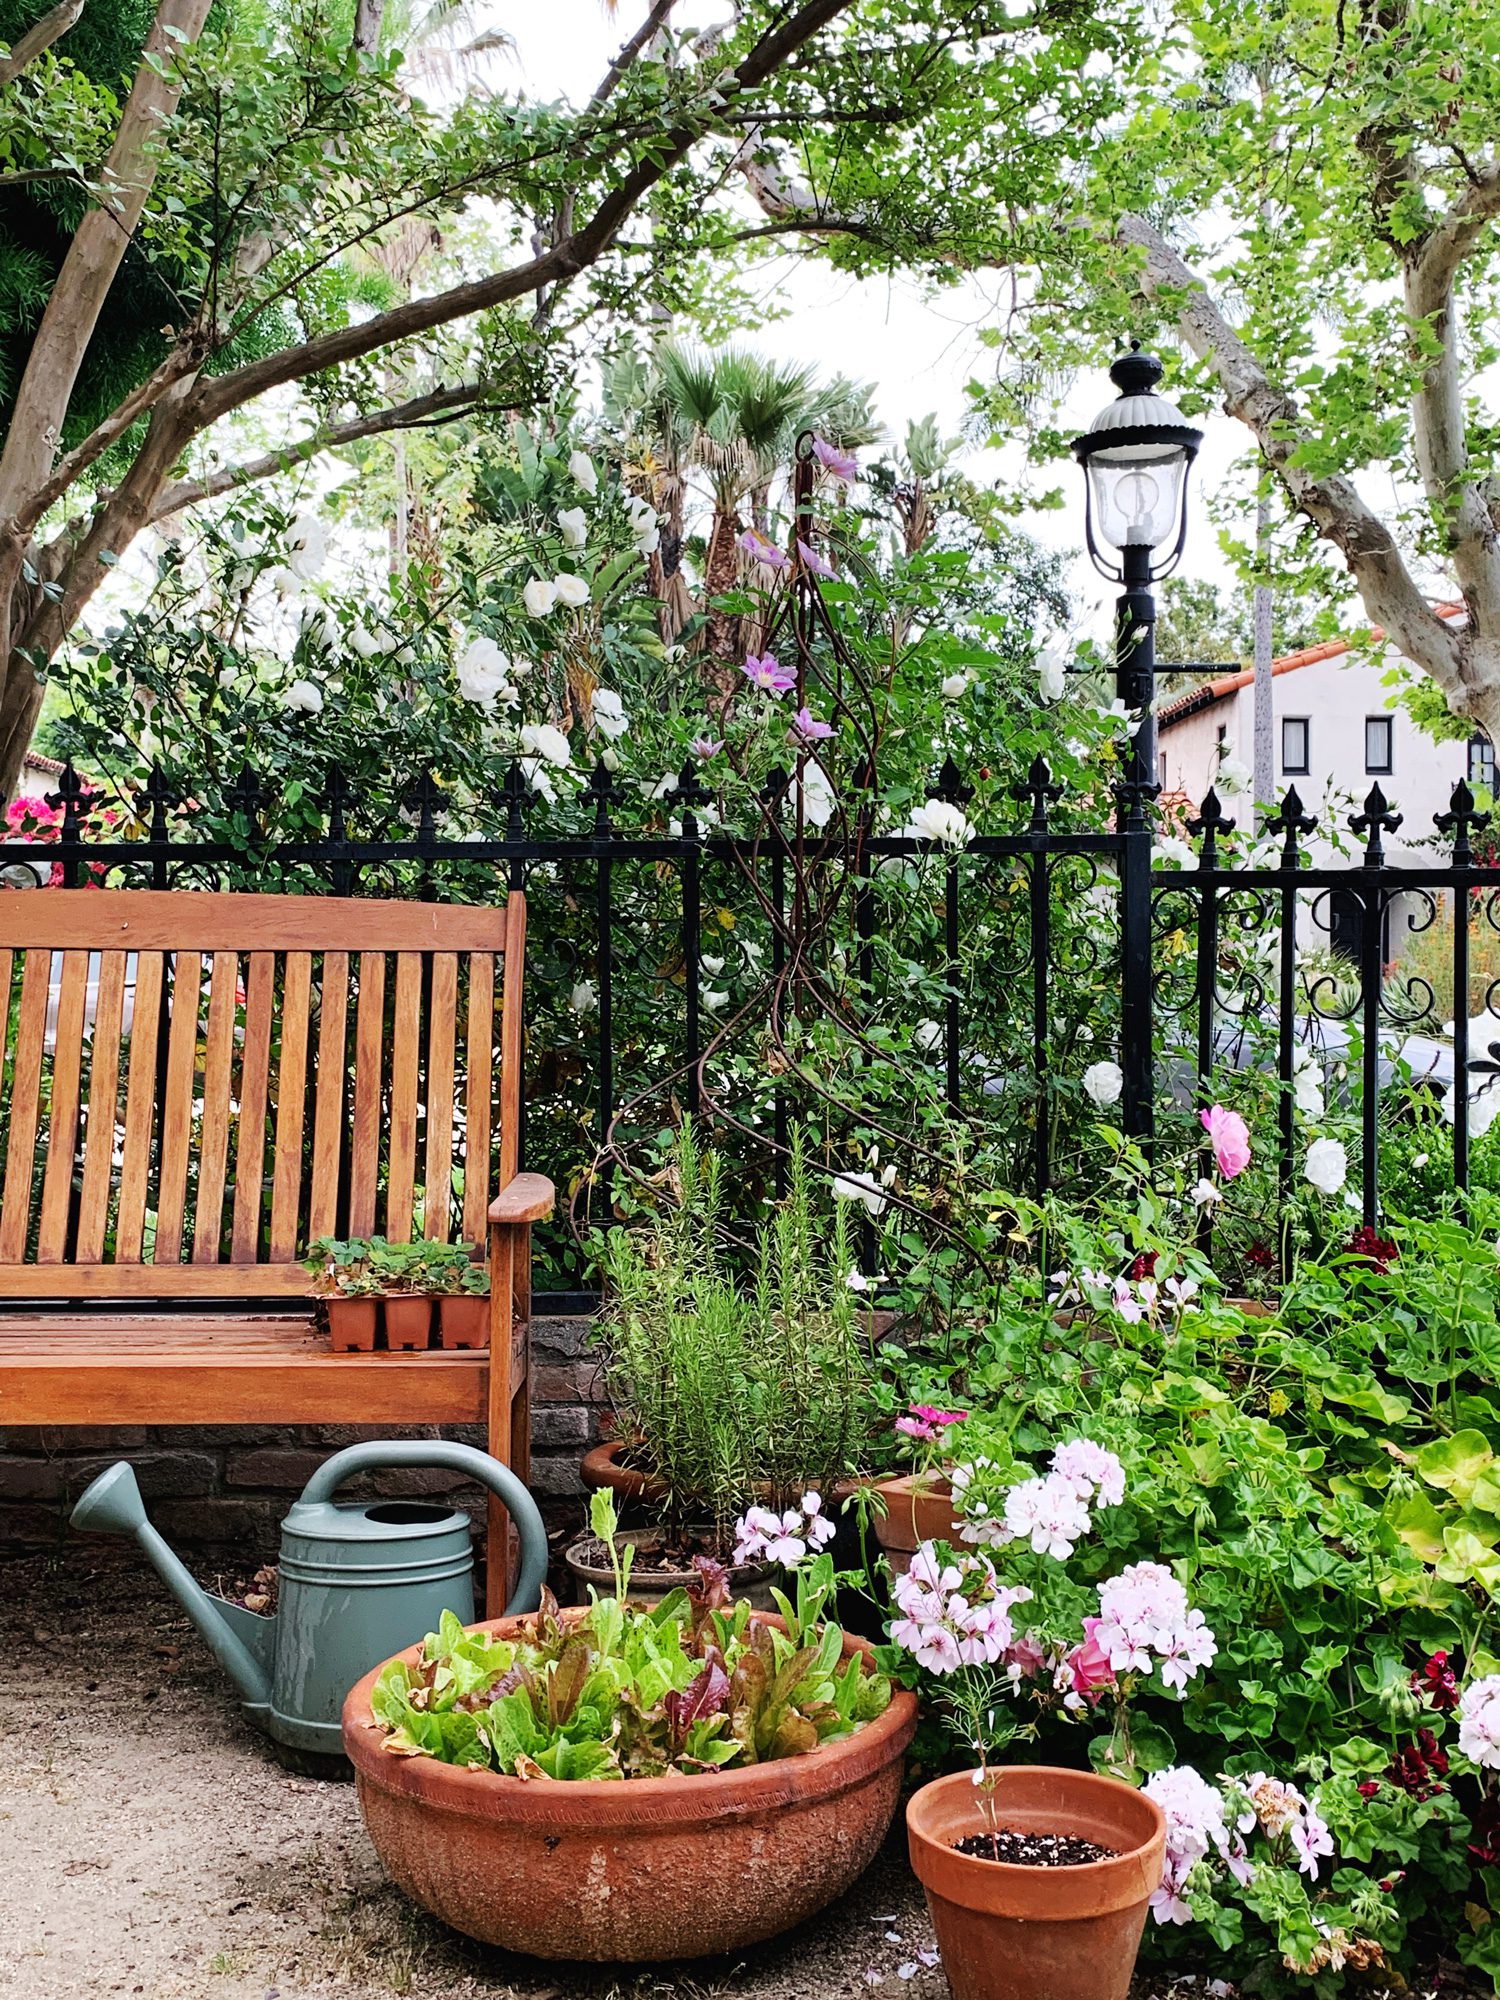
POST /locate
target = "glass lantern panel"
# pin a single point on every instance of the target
(1137, 494)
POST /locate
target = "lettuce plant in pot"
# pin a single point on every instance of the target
(618, 1782)
(739, 1394)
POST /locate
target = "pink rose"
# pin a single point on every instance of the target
(1230, 1138)
(1088, 1664)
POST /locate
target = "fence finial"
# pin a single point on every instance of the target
(427, 799)
(1458, 820)
(1376, 818)
(1042, 792)
(601, 787)
(1289, 819)
(247, 797)
(1210, 822)
(950, 785)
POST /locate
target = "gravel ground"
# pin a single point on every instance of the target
(150, 1844)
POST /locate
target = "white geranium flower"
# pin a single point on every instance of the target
(581, 470)
(573, 525)
(539, 597)
(609, 714)
(545, 740)
(1327, 1165)
(1052, 673)
(943, 822)
(571, 590)
(303, 698)
(584, 998)
(483, 673)
(1104, 1081)
(861, 1187)
(1233, 777)
(955, 687)
(306, 546)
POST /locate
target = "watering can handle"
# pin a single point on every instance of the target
(379, 1456)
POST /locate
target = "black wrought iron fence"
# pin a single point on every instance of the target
(1041, 948)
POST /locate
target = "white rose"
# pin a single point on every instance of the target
(571, 590)
(545, 740)
(539, 597)
(285, 582)
(927, 1035)
(712, 966)
(1307, 1084)
(483, 673)
(303, 698)
(1327, 1165)
(713, 1002)
(581, 469)
(1052, 673)
(1174, 853)
(649, 541)
(609, 714)
(1233, 777)
(1205, 1194)
(306, 545)
(1104, 1082)
(585, 997)
(818, 802)
(955, 687)
(363, 642)
(860, 1187)
(535, 772)
(574, 527)
(943, 822)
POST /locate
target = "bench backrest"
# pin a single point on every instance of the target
(195, 1086)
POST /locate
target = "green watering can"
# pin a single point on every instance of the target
(359, 1581)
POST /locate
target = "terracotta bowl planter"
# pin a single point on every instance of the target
(633, 1870)
(651, 1579)
(1014, 1933)
(917, 1509)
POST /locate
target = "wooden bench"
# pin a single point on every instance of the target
(195, 1087)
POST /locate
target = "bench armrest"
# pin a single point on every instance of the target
(525, 1199)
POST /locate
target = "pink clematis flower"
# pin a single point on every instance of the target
(1230, 1138)
(768, 674)
(812, 560)
(755, 545)
(842, 464)
(704, 747)
(808, 728)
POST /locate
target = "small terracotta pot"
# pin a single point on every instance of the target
(1014, 1933)
(408, 1320)
(918, 1508)
(602, 1471)
(629, 1870)
(464, 1320)
(651, 1580)
(351, 1325)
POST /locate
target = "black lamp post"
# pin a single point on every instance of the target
(1135, 456)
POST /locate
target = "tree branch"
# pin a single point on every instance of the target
(40, 36)
(418, 413)
(644, 35)
(1451, 240)
(1334, 504)
(368, 16)
(94, 256)
(561, 261)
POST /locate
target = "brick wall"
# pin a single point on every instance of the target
(228, 1487)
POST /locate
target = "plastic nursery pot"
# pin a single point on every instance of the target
(1029, 1933)
(652, 1578)
(351, 1324)
(636, 1869)
(408, 1320)
(464, 1320)
(918, 1508)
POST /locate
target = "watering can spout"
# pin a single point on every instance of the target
(112, 1505)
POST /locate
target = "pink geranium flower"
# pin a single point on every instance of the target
(1229, 1136)
(926, 1421)
(842, 464)
(755, 545)
(768, 674)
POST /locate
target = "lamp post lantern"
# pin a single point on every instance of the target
(1135, 456)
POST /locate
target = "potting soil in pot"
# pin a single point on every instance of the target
(1033, 1850)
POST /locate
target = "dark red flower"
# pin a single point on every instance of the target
(1375, 1252)
(1436, 1684)
(1418, 1768)
(1261, 1255)
(1485, 1845)
(1369, 1788)
(1144, 1266)
(1435, 1759)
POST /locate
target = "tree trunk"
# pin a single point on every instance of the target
(721, 574)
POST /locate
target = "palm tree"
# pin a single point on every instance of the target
(732, 418)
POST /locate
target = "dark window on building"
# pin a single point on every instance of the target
(1482, 762)
(1162, 760)
(1295, 746)
(1378, 740)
